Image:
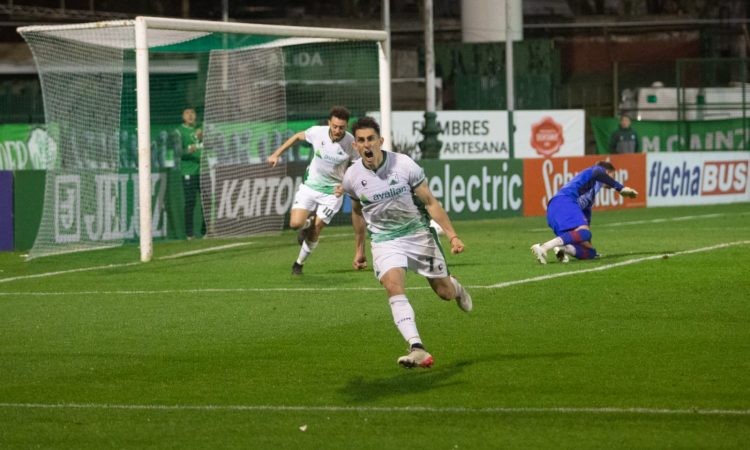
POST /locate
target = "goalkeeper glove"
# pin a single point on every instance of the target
(628, 192)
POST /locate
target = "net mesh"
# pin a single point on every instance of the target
(81, 84)
(251, 93)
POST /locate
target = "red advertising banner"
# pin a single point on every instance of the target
(542, 178)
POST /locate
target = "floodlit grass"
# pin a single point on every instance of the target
(226, 349)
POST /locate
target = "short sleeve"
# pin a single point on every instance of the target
(311, 133)
(348, 144)
(346, 184)
(415, 172)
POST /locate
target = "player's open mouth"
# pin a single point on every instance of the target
(369, 153)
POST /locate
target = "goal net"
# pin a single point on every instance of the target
(124, 165)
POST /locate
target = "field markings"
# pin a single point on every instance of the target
(661, 220)
(501, 285)
(614, 265)
(205, 250)
(65, 272)
(386, 409)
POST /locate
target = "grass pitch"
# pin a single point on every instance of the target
(225, 349)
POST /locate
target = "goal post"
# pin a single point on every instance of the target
(253, 67)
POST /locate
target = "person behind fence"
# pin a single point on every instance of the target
(624, 140)
(190, 143)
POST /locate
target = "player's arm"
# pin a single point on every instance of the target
(274, 158)
(358, 222)
(587, 215)
(438, 214)
(600, 174)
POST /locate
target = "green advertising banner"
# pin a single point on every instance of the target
(25, 147)
(674, 136)
(31, 147)
(477, 189)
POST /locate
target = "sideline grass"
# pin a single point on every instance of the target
(666, 334)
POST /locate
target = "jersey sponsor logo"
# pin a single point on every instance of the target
(547, 136)
(385, 195)
(335, 158)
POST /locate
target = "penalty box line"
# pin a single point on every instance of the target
(342, 288)
(388, 409)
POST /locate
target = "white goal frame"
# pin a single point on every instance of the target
(143, 24)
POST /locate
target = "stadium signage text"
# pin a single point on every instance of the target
(464, 134)
(698, 178)
(674, 136)
(114, 213)
(256, 197)
(554, 181)
(477, 189)
(543, 178)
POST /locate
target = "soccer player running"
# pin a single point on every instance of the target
(316, 202)
(391, 200)
(569, 213)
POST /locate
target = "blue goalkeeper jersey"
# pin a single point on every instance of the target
(584, 186)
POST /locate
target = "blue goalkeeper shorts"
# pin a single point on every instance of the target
(563, 214)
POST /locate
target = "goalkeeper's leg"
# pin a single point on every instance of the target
(584, 251)
(570, 237)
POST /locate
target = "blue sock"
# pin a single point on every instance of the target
(584, 252)
(575, 237)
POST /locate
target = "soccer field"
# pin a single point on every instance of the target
(647, 347)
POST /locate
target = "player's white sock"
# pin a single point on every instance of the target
(569, 249)
(305, 250)
(403, 316)
(556, 242)
(457, 286)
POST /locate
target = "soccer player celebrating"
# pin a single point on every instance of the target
(391, 200)
(316, 202)
(569, 213)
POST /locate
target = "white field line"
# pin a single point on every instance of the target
(501, 285)
(387, 409)
(618, 264)
(65, 272)
(206, 250)
(115, 266)
(641, 222)
(197, 291)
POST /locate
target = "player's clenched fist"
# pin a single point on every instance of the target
(360, 262)
(457, 246)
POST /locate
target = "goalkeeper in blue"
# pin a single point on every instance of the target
(569, 213)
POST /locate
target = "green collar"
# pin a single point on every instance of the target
(382, 163)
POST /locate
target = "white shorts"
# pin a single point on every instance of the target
(324, 205)
(417, 252)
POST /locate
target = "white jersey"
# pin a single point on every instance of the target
(330, 159)
(389, 206)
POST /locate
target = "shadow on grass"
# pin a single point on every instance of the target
(361, 390)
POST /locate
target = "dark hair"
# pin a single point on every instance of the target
(366, 122)
(608, 166)
(339, 112)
